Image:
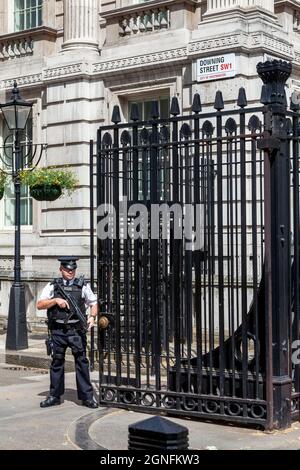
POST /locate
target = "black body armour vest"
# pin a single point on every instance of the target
(75, 290)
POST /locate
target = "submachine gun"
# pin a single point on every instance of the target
(75, 309)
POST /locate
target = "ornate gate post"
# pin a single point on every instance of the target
(274, 74)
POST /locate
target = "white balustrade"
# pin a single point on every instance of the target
(144, 21)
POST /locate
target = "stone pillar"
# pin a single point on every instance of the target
(81, 23)
(214, 5)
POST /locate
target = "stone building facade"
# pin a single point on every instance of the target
(76, 59)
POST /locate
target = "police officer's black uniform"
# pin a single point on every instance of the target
(70, 334)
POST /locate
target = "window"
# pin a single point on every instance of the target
(163, 158)
(145, 108)
(8, 201)
(27, 14)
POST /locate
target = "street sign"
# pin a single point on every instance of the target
(216, 67)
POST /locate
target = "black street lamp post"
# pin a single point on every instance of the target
(16, 113)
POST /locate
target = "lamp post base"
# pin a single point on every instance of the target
(16, 338)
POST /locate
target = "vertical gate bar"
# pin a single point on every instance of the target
(187, 318)
(100, 278)
(227, 186)
(116, 251)
(296, 271)
(146, 313)
(209, 300)
(274, 74)
(220, 253)
(237, 244)
(164, 257)
(197, 261)
(244, 258)
(126, 280)
(254, 257)
(230, 254)
(154, 257)
(92, 247)
(204, 195)
(107, 163)
(176, 265)
(137, 260)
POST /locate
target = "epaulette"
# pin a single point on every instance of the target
(57, 280)
(80, 282)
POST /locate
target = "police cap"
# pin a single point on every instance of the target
(68, 262)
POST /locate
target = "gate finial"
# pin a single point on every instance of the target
(219, 102)
(135, 114)
(274, 74)
(174, 110)
(116, 117)
(196, 106)
(154, 110)
(242, 99)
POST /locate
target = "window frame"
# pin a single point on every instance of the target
(28, 10)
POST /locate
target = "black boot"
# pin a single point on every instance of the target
(90, 403)
(50, 401)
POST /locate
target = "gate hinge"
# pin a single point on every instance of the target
(268, 143)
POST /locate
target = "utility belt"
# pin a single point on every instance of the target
(66, 326)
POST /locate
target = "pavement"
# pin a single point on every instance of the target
(70, 426)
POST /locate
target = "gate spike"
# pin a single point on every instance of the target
(154, 110)
(116, 117)
(174, 111)
(135, 114)
(219, 103)
(242, 99)
(264, 95)
(197, 106)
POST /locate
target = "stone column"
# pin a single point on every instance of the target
(214, 5)
(81, 23)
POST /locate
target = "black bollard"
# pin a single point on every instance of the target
(158, 434)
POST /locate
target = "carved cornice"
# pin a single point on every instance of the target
(23, 81)
(277, 45)
(226, 42)
(159, 57)
(66, 70)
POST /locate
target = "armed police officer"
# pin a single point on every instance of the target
(66, 300)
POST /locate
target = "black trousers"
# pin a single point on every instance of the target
(76, 340)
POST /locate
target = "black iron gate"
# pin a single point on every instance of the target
(195, 269)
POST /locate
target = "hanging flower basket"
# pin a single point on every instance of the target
(48, 184)
(46, 192)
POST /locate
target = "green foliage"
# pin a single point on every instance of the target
(3, 180)
(50, 176)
